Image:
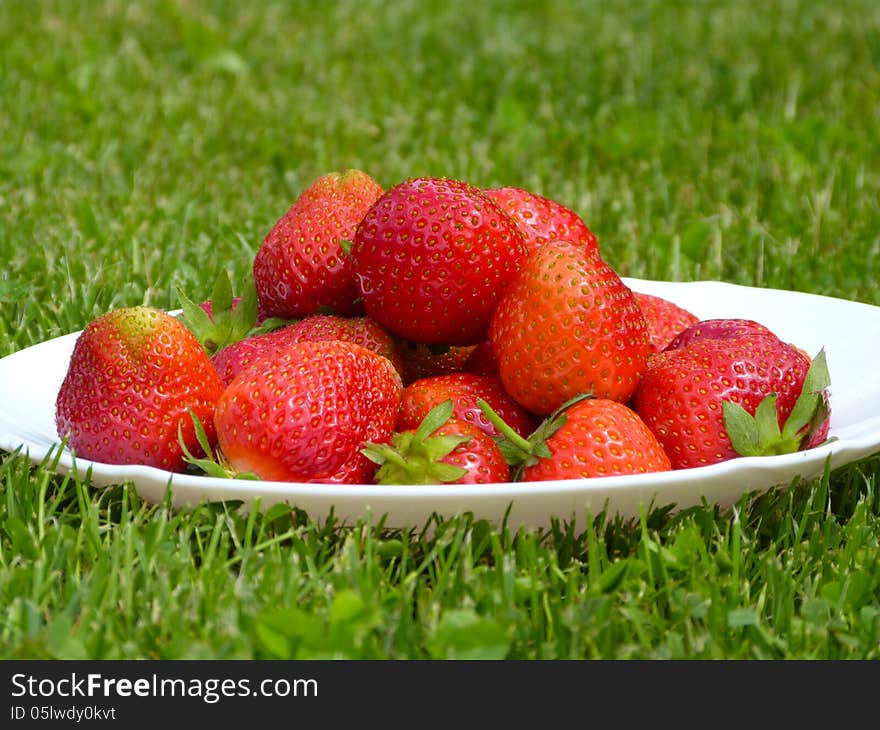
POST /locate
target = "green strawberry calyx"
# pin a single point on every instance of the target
(230, 321)
(213, 464)
(760, 435)
(415, 457)
(520, 452)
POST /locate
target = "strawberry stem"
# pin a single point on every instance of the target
(504, 428)
(520, 452)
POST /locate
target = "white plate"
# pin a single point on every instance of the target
(849, 332)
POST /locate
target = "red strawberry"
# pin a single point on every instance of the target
(442, 449)
(303, 415)
(722, 328)
(599, 438)
(234, 358)
(715, 399)
(432, 257)
(426, 361)
(568, 325)
(362, 331)
(542, 219)
(665, 319)
(585, 437)
(301, 267)
(464, 390)
(133, 375)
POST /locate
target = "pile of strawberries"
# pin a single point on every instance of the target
(433, 333)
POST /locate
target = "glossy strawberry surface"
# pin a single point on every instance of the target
(599, 438)
(303, 415)
(361, 331)
(464, 389)
(681, 392)
(722, 328)
(542, 219)
(568, 325)
(665, 319)
(233, 359)
(432, 257)
(300, 266)
(132, 376)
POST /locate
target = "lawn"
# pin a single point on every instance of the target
(145, 146)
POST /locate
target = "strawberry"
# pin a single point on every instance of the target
(718, 398)
(303, 415)
(442, 449)
(585, 437)
(542, 219)
(426, 361)
(721, 328)
(362, 331)
(432, 257)
(133, 375)
(234, 358)
(301, 268)
(464, 390)
(665, 319)
(567, 325)
(599, 438)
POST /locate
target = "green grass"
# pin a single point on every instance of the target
(144, 146)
